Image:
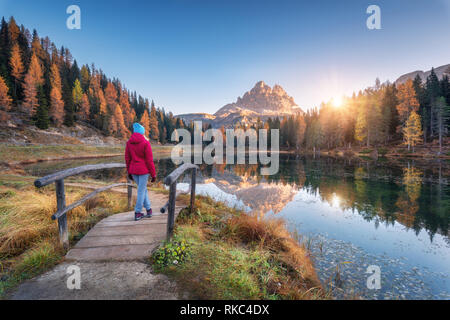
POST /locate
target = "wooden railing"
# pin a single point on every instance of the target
(62, 209)
(171, 181)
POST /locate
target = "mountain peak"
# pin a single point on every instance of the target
(440, 72)
(262, 102)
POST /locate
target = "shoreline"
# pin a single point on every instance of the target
(24, 155)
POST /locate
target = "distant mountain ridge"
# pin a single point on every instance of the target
(261, 101)
(440, 72)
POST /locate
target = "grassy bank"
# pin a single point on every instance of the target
(29, 238)
(13, 154)
(222, 253)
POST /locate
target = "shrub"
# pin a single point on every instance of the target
(173, 252)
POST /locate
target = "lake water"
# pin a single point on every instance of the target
(351, 214)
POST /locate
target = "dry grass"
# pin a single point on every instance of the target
(233, 255)
(272, 235)
(29, 238)
(32, 153)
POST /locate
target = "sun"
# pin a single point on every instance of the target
(337, 102)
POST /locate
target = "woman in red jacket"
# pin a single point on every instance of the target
(139, 160)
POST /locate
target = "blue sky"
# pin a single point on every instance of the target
(196, 56)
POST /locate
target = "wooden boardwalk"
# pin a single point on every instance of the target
(111, 256)
(120, 238)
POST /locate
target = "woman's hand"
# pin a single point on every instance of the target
(130, 176)
(153, 179)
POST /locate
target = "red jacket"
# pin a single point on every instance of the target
(139, 156)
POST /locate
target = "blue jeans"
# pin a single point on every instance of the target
(142, 194)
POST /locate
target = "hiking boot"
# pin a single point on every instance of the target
(149, 213)
(138, 216)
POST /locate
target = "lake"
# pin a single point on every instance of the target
(351, 214)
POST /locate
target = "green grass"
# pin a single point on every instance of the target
(231, 255)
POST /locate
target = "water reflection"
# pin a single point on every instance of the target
(412, 194)
(391, 213)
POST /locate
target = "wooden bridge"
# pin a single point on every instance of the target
(119, 237)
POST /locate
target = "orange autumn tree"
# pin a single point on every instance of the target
(56, 103)
(33, 78)
(153, 125)
(35, 70)
(17, 67)
(5, 100)
(122, 131)
(110, 96)
(412, 131)
(407, 100)
(128, 113)
(84, 108)
(145, 122)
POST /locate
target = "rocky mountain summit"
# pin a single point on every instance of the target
(440, 72)
(261, 101)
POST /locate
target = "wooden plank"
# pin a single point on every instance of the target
(65, 209)
(166, 205)
(74, 171)
(171, 178)
(171, 210)
(129, 192)
(62, 219)
(193, 181)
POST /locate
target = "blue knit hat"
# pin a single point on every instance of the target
(138, 128)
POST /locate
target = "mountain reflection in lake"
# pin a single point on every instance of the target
(351, 213)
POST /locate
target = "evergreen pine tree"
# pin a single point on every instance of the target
(41, 116)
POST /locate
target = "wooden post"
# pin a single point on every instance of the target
(130, 192)
(193, 178)
(171, 209)
(62, 221)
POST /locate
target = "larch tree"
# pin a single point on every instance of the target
(412, 131)
(145, 121)
(35, 70)
(84, 109)
(154, 130)
(56, 101)
(30, 101)
(124, 102)
(77, 95)
(111, 125)
(122, 131)
(111, 96)
(33, 78)
(17, 67)
(5, 100)
(407, 101)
